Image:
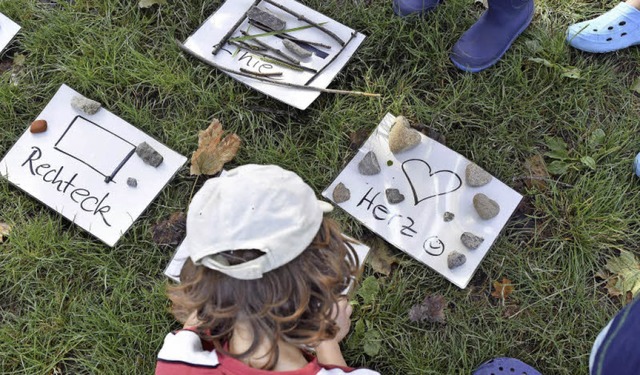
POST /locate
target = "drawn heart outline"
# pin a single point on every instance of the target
(418, 200)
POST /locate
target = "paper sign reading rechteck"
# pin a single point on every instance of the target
(421, 202)
(86, 167)
(324, 46)
(8, 30)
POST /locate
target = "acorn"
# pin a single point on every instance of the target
(38, 126)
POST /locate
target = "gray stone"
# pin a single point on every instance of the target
(296, 49)
(456, 259)
(266, 18)
(477, 176)
(485, 207)
(341, 193)
(394, 196)
(149, 155)
(448, 216)
(132, 182)
(470, 240)
(369, 166)
(402, 137)
(85, 105)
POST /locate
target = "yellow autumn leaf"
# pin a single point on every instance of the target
(213, 151)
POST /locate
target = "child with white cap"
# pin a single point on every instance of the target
(263, 283)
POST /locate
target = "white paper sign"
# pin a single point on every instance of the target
(8, 30)
(320, 68)
(432, 179)
(67, 167)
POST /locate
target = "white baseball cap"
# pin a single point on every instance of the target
(261, 207)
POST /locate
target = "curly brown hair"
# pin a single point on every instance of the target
(292, 303)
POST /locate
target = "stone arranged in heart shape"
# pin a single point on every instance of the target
(455, 259)
(476, 176)
(470, 240)
(341, 193)
(369, 165)
(402, 137)
(426, 184)
(394, 196)
(485, 207)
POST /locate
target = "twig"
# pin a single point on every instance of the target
(246, 45)
(290, 37)
(542, 179)
(305, 19)
(271, 82)
(272, 74)
(276, 60)
(226, 36)
(272, 49)
(353, 36)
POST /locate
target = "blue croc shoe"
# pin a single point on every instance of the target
(404, 8)
(616, 29)
(505, 366)
(491, 36)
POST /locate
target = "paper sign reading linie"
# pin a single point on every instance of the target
(8, 30)
(80, 166)
(331, 49)
(420, 202)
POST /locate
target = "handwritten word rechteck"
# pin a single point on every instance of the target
(54, 176)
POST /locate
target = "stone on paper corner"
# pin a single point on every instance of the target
(476, 176)
(341, 193)
(402, 137)
(485, 207)
(149, 155)
(455, 260)
(85, 105)
(369, 165)
(471, 241)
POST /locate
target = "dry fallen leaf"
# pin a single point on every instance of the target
(538, 173)
(431, 309)
(625, 278)
(5, 229)
(212, 153)
(170, 231)
(380, 258)
(502, 289)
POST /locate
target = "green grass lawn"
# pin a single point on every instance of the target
(71, 305)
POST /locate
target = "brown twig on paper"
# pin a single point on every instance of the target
(293, 61)
(226, 36)
(274, 59)
(272, 82)
(272, 74)
(288, 36)
(353, 36)
(305, 19)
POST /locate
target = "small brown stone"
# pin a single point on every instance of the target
(38, 126)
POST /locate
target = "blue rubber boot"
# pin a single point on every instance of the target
(491, 36)
(404, 8)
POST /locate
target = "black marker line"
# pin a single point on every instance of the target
(413, 189)
(122, 163)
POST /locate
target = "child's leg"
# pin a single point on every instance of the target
(614, 30)
(488, 39)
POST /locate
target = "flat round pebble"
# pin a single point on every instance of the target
(485, 207)
(38, 126)
(456, 259)
(341, 193)
(470, 240)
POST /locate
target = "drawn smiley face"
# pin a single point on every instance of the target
(433, 246)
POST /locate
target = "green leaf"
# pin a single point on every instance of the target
(571, 72)
(558, 167)
(369, 290)
(372, 342)
(588, 161)
(555, 144)
(597, 137)
(566, 71)
(559, 155)
(627, 269)
(150, 3)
